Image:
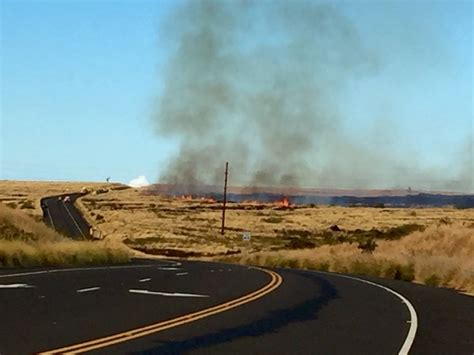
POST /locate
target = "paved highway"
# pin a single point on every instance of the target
(61, 214)
(164, 307)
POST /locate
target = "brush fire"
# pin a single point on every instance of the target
(284, 202)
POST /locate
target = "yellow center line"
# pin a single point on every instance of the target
(274, 283)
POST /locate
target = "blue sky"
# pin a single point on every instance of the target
(79, 82)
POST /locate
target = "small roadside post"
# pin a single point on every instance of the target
(247, 239)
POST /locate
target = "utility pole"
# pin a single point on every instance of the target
(225, 197)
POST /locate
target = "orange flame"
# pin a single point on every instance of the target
(284, 202)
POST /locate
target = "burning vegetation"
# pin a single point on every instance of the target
(284, 203)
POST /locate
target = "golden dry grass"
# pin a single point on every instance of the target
(196, 224)
(26, 225)
(27, 194)
(441, 255)
(26, 242)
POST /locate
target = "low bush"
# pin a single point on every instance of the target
(400, 272)
(368, 246)
(27, 204)
(273, 219)
(432, 280)
(12, 205)
(300, 243)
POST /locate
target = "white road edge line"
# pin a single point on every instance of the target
(75, 222)
(166, 294)
(74, 269)
(49, 215)
(88, 289)
(405, 349)
(15, 286)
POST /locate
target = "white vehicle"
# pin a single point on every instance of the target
(67, 199)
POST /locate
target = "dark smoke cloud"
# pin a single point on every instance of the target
(257, 83)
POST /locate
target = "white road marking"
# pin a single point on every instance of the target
(169, 268)
(88, 289)
(181, 273)
(144, 280)
(166, 294)
(405, 349)
(15, 286)
(74, 269)
(75, 222)
(49, 215)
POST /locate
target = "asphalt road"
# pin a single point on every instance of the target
(64, 217)
(307, 313)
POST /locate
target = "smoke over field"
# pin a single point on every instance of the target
(258, 83)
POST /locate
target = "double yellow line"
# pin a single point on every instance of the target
(275, 281)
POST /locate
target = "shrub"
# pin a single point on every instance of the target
(27, 204)
(432, 280)
(370, 268)
(321, 266)
(368, 246)
(293, 263)
(273, 260)
(12, 205)
(9, 231)
(393, 233)
(303, 233)
(273, 219)
(299, 243)
(400, 272)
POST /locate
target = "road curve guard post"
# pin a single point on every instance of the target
(95, 233)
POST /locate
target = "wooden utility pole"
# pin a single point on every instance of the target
(225, 197)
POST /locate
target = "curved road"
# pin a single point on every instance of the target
(48, 310)
(64, 217)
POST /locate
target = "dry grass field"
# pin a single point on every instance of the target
(194, 224)
(27, 242)
(26, 195)
(441, 255)
(428, 245)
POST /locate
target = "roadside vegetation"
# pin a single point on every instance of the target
(434, 246)
(27, 242)
(441, 255)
